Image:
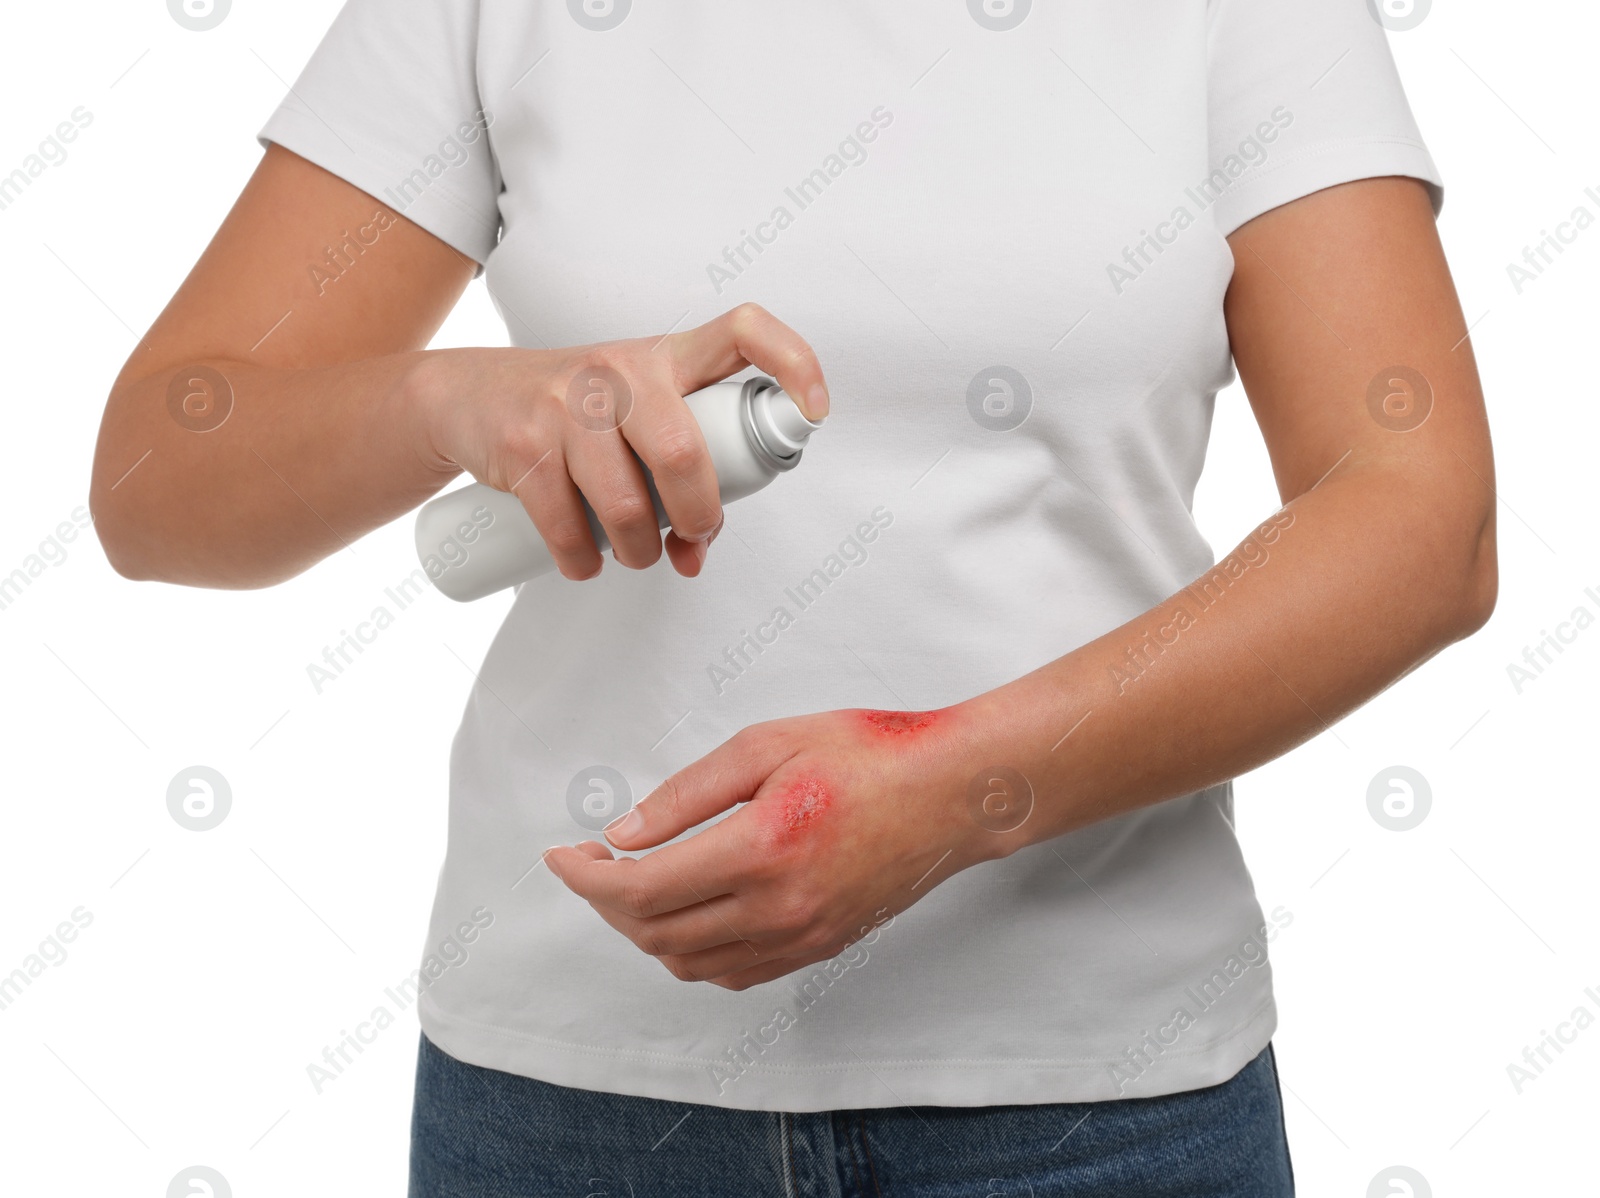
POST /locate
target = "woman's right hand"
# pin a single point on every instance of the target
(323, 416)
(547, 425)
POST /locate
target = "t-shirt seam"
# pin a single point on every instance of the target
(1258, 178)
(1244, 1025)
(380, 161)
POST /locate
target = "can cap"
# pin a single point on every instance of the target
(779, 425)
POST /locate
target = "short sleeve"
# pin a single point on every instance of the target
(389, 102)
(1302, 95)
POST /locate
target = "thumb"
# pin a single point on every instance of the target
(749, 335)
(729, 774)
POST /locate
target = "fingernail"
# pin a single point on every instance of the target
(545, 856)
(628, 823)
(699, 548)
(817, 401)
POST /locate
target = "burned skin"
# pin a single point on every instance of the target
(802, 802)
(898, 723)
(805, 800)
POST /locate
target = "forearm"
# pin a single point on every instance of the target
(1384, 556)
(1344, 591)
(255, 480)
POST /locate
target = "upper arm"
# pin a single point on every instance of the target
(1340, 301)
(306, 270)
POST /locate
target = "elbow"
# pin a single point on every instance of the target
(154, 519)
(137, 533)
(119, 538)
(1481, 591)
(141, 547)
(128, 566)
(1478, 587)
(130, 532)
(138, 549)
(115, 513)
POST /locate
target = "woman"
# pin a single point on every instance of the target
(941, 740)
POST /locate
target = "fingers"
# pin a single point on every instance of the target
(766, 971)
(700, 928)
(553, 503)
(611, 480)
(708, 941)
(663, 432)
(705, 865)
(688, 558)
(556, 854)
(749, 335)
(729, 774)
(624, 408)
(698, 870)
(713, 924)
(623, 404)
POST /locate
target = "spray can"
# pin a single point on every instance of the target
(476, 540)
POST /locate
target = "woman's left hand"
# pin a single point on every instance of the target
(848, 818)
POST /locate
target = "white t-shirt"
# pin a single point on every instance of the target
(1003, 232)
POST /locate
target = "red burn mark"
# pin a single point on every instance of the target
(898, 723)
(803, 801)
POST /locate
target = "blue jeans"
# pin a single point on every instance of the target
(481, 1133)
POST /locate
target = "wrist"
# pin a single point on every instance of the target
(1012, 785)
(989, 795)
(428, 383)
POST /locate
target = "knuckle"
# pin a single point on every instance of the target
(607, 355)
(768, 848)
(668, 798)
(748, 747)
(650, 942)
(680, 969)
(625, 509)
(748, 315)
(748, 739)
(794, 916)
(523, 443)
(600, 386)
(678, 448)
(817, 938)
(522, 448)
(799, 356)
(638, 897)
(567, 535)
(803, 937)
(778, 858)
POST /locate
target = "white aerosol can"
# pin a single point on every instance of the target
(476, 540)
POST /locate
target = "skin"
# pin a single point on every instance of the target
(1383, 554)
(274, 488)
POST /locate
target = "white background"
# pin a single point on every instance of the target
(217, 966)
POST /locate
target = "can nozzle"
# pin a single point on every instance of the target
(780, 424)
